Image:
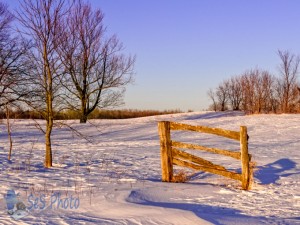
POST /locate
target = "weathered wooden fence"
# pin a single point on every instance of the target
(171, 155)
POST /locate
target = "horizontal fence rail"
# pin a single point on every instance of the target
(171, 155)
(217, 131)
(236, 155)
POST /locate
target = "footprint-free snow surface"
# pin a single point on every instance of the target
(108, 172)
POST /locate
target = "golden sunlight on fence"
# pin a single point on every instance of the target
(171, 155)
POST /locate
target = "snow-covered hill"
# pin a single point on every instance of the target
(111, 173)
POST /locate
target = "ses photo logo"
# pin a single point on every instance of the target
(17, 209)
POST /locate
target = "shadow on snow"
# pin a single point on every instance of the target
(214, 214)
(271, 173)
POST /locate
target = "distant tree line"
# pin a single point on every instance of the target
(258, 91)
(96, 114)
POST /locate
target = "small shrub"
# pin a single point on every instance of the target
(180, 177)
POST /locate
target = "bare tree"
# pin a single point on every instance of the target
(235, 93)
(12, 62)
(222, 93)
(96, 71)
(248, 82)
(41, 20)
(267, 82)
(7, 80)
(12, 67)
(287, 90)
(212, 95)
(257, 89)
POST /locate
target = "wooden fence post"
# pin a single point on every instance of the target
(165, 151)
(245, 159)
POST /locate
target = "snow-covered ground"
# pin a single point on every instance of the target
(111, 174)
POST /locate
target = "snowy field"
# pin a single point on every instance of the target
(111, 174)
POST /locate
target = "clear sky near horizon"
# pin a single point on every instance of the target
(185, 47)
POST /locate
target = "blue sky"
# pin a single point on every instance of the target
(185, 47)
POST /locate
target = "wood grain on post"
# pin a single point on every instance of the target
(165, 151)
(245, 159)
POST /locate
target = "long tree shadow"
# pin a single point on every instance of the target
(214, 214)
(271, 173)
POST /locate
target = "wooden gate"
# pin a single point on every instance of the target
(171, 155)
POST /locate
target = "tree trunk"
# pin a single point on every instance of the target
(49, 103)
(83, 118)
(49, 126)
(84, 113)
(8, 131)
(48, 157)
